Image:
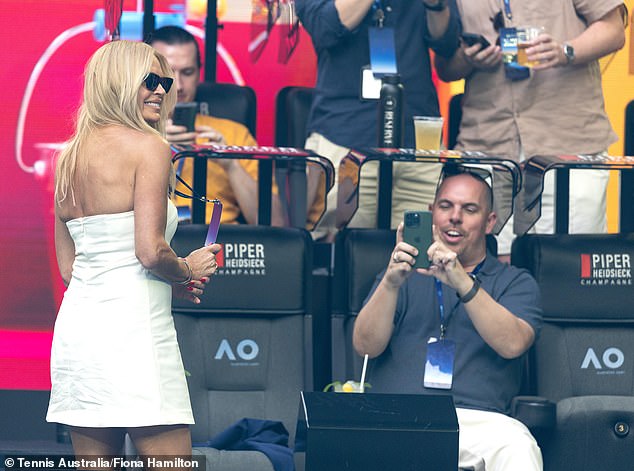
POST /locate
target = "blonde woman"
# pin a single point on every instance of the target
(115, 362)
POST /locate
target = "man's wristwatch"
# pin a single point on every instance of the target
(469, 295)
(569, 53)
(439, 6)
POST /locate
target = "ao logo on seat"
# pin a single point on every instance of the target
(246, 350)
(612, 358)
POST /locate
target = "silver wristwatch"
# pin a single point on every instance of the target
(569, 53)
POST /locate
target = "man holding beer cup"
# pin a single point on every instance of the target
(536, 89)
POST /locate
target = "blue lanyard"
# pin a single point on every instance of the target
(441, 302)
(507, 9)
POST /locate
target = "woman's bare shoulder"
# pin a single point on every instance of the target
(133, 144)
(132, 137)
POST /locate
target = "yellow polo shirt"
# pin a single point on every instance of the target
(218, 185)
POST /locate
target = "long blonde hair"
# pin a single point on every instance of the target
(112, 79)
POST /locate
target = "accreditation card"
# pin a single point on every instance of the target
(439, 364)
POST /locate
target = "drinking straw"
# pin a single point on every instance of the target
(365, 365)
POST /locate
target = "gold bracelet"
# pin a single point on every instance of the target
(189, 269)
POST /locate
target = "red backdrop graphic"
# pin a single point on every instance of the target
(30, 287)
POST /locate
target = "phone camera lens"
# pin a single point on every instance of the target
(412, 219)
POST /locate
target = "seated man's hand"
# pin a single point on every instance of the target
(209, 135)
(178, 134)
(401, 262)
(445, 265)
(227, 164)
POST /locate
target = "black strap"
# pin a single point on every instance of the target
(194, 195)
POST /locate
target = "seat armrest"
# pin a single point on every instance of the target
(535, 412)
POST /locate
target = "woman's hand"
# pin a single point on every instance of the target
(203, 261)
(191, 291)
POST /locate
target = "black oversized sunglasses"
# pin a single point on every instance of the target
(152, 81)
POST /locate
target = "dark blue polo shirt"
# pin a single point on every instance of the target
(337, 112)
(482, 379)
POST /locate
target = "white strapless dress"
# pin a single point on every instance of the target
(115, 361)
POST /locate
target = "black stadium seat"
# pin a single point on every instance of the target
(584, 358)
(248, 344)
(360, 254)
(292, 105)
(230, 101)
(626, 216)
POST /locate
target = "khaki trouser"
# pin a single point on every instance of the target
(414, 186)
(587, 210)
